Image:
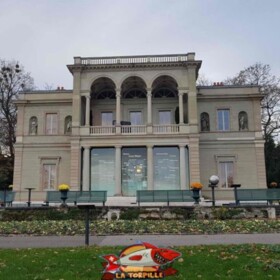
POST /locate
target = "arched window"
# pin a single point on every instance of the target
(204, 122)
(243, 121)
(164, 92)
(33, 126)
(68, 125)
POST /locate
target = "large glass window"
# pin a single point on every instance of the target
(136, 117)
(166, 168)
(106, 118)
(51, 124)
(103, 170)
(223, 119)
(49, 176)
(165, 117)
(226, 173)
(134, 170)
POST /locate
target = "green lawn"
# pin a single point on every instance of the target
(199, 262)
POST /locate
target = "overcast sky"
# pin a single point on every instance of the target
(227, 35)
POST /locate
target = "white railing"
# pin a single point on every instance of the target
(166, 129)
(102, 130)
(133, 129)
(132, 59)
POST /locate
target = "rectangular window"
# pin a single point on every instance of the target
(49, 176)
(103, 170)
(134, 170)
(223, 119)
(226, 173)
(51, 124)
(135, 118)
(106, 118)
(166, 168)
(165, 117)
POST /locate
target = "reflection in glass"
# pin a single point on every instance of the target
(226, 174)
(166, 168)
(103, 170)
(134, 170)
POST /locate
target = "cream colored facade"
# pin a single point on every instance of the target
(119, 104)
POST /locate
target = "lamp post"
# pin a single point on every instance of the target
(86, 207)
(213, 182)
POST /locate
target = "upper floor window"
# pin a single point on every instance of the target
(51, 124)
(135, 117)
(106, 118)
(165, 117)
(223, 119)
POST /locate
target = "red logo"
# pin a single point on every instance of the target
(140, 261)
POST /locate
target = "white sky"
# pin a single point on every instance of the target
(227, 35)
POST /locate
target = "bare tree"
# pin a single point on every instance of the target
(260, 74)
(13, 79)
(203, 81)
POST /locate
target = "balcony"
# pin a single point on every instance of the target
(140, 59)
(134, 130)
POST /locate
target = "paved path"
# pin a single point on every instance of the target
(124, 240)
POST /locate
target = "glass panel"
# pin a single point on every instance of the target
(166, 168)
(164, 117)
(103, 170)
(134, 170)
(106, 118)
(136, 118)
(223, 120)
(226, 119)
(226, 174)
(51, 124)
(49, 176)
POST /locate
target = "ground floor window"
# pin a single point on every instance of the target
(226, 173)
(103, 170)
(166, 168)
(134, 170)
(49, 176)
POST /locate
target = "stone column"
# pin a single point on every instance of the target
(75, 164)
(76, 106)
(192, 99)
(87, 122)
(181, 107)
(118, 171)
(194, 159)
(86, 166)
(183, 167)
(150, 167)
(149, 106)
(118, 111)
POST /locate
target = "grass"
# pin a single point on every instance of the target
(199, 262)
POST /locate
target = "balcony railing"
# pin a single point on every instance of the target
(134, 59)
(102, 130)
(134, 129)
(165, 129)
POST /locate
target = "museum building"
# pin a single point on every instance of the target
(138, 123)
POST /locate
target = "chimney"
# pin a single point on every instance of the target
(58, 88)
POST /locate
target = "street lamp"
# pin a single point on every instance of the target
(213, 182)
